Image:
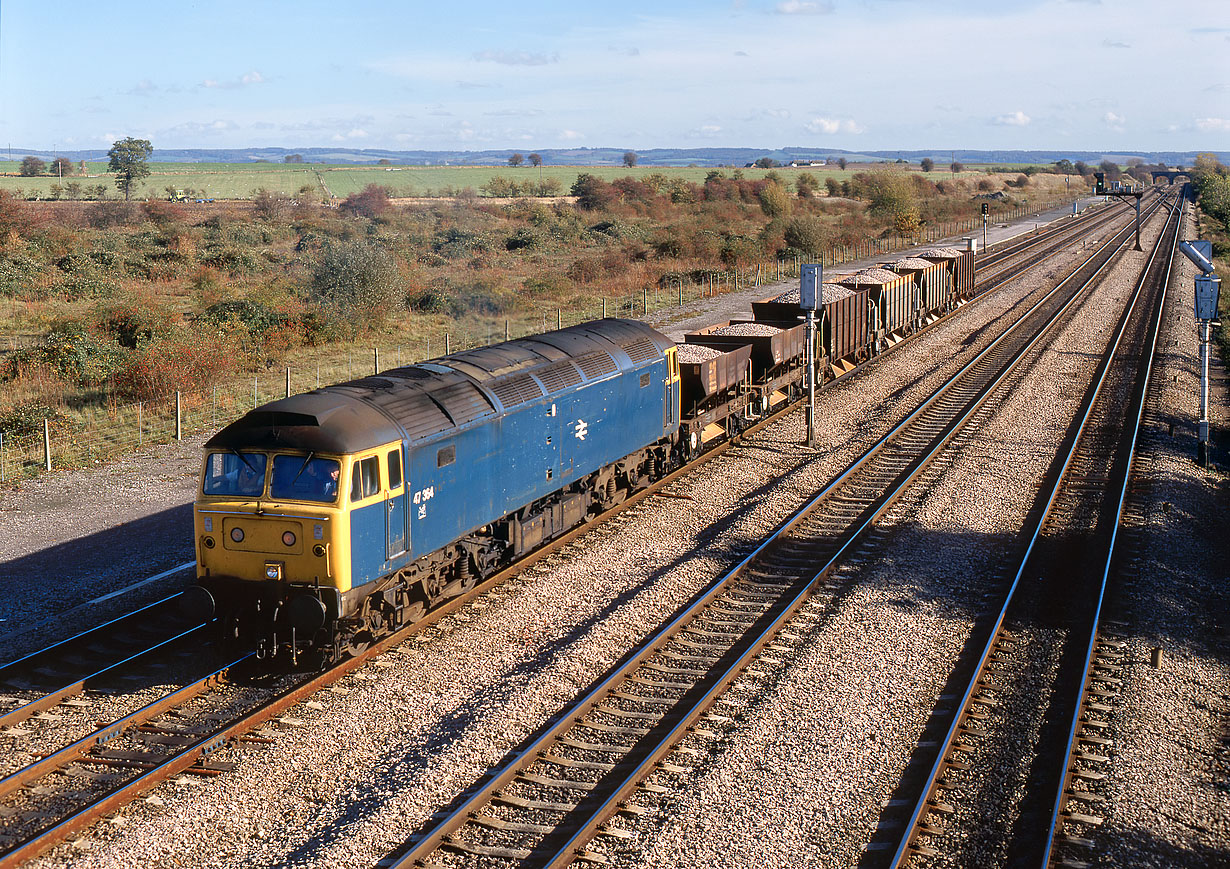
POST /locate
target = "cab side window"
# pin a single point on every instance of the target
(394, 469)
(365, 479)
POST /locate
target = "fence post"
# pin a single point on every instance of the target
(1, 457)
(288, 381)
(559, 318)
(506, 330)
(140, 418)
(254, 388)
(375, 360)
(681, 292)
(46, 443)
(179, 419)
(446, 344)
(214, 403)
(604, 307)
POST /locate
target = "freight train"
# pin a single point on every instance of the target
(329, 519)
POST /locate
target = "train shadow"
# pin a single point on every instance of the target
(49, 592)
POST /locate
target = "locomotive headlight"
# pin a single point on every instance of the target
(207, 542)
(289, 538)
(237, 535)
(318, 551)
(273, 570)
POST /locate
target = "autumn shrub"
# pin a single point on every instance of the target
(15, 215)
(18, 274)
(103, 215)
(774, 201)
(371, 201)
(183, 360)
(73, 351)
(593, 193)
(806, 235)
(357, 282)
(26, 419)
(162, 212)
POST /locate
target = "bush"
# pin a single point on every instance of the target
(372, 201)
(525, 238)
(177, 361)
(593, 193)
(774, 202)
(808, 235)
(163, 213)
(72, 351)
(102, 215)
(134, 322)
(357, 282)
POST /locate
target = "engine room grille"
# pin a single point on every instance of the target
(516, 390)
(641, 350)
(559, 376)
(596, 365)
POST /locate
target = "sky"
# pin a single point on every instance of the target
(1107, 75)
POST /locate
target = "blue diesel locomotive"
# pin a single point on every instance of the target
(330, 518)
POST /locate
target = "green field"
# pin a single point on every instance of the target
(242, 180)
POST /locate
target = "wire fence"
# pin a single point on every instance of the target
(70, 443)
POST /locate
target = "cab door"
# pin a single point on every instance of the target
(395, 512)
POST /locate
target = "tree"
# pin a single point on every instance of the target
(1112, 170)
(955, 167)
(1081, 167)
(535, 159)
(630, 159)
(806, 185)
(767, 163)
(516, 160)
(60, 167)
(32, 166)
(773, 200)
(841, 162)
(807, 234)
(1065, 167)
(927, 164)
(129, 162)
(892, 196)
(293, 158)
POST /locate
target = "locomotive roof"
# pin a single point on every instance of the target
(446, 393)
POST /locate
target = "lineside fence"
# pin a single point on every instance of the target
(68, 443)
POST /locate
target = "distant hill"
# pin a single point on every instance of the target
(615, 156)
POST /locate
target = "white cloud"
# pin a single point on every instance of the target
(832, 126)
(1114, 121)
(802, 7)
(705, 131)
(570, 135)
(515, 58)
(1213, 125)
(245, 80)
(1016, 119)
(201, 128)
(1113, 43)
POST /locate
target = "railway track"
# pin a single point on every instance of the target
(1044, 666)
(178, 732)
(545, 805)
